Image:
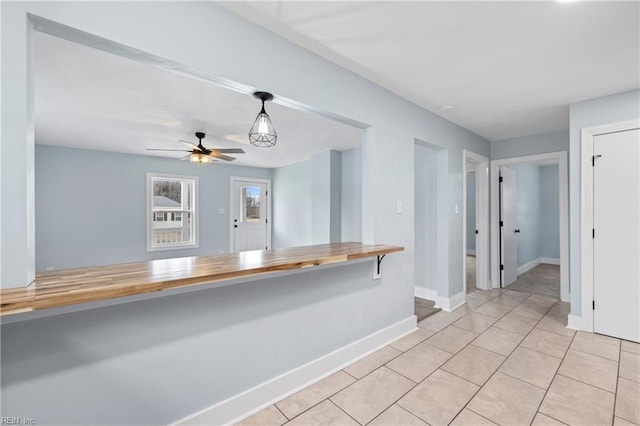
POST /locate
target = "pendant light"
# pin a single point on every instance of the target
(262, 133)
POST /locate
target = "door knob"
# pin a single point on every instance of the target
(517, 231)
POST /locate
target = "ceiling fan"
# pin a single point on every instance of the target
(200, 154)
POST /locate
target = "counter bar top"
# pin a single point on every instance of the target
(73, 286)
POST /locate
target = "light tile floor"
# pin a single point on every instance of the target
(504, 358)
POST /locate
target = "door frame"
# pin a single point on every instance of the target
(586, 212)
(559, 158)
(232, 181)
(482, 219)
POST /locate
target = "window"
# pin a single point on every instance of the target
(172, 215)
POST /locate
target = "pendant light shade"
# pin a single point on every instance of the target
(262, 133)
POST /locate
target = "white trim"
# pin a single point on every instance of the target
(575, 322)
(559, 158)
(450, 303)
(482, 219)
(234, 179)
(196, 213)
(425, 293)
(586, 214)
(529, 266)
(550, 260)
(242, 405)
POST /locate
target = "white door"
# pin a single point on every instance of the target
(508, 230)
(249, 215)
(616, 243)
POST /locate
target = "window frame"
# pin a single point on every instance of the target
(193, 180)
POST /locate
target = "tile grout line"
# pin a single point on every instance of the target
(340, 408)
(615, 395)
(554, 378)
(417, 383)
(506, 358)
(585, 383)
(471, 342)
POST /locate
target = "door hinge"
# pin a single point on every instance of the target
(500, 179)
(476, 232)
(502, 267)
(266, 193)
(593, 304)
(501, 223)
(593, 233)
(267, 220)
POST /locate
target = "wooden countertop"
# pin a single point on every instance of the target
(73, 286)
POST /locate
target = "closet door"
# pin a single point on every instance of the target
(616, 243)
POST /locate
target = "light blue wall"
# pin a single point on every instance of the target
(471, 211)
(530, 145)
(549, 213)
(292, 205)
(593, 112)
(426, 203)
(181, 32)
(91, 206)
(528, 211)
(338, 199)
(538, 212)
(352, 195)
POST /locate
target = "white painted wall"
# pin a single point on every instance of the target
(292, 205)
(63, 367)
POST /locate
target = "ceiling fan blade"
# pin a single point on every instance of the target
(186, 157)
(221, 156)
(228, 150)
(191, 145)
(162, 149)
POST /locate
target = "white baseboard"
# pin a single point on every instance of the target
(528, 266)
(471, 252)
(550, 260)
(575, 322)
(425, 293)
(450, 303)
(242, 405)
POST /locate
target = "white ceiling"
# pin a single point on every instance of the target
(86, 98)
(511, 68)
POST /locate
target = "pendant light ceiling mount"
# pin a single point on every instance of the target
(262, 133)
(263, 96)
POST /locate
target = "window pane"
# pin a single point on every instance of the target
(172, 230)
(167, 194)
(250, 203)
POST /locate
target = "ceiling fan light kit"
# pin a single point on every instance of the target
(200, 155)
(200, 158)
(262, 133)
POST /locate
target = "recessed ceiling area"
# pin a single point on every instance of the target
(510, 68)
(90, 99)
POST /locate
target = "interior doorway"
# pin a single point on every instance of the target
(250, 211)
(431, 244)
(475, 222)
(530, 224)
